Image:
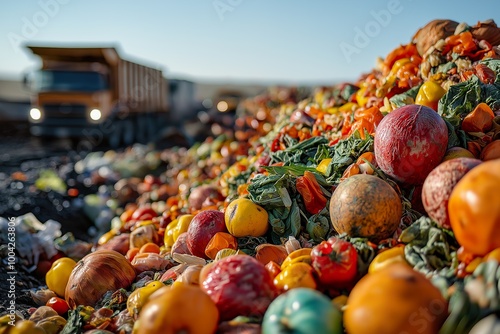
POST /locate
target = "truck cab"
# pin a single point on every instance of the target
(94, 93)
(67, 101)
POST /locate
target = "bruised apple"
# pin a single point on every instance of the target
(202, 228)
(240, 286)
(439, 184)
(203, 194)
(410, 142)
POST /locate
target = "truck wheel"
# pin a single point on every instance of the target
(153, 127)
(128, 133)
(115, 136)
(142, 133)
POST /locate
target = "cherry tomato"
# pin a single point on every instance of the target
(58, 304)
(335, 262)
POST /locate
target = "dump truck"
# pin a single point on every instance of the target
(93, 93)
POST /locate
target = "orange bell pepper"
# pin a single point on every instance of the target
(463, 44)
(366, 119)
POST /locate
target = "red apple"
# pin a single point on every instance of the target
(202, 228)
(201, 195)
(410, 142)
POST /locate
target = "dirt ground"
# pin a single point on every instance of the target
(22, 157)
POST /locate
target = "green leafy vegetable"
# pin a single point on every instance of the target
(277, 194)
(456, 137)
(366, 253)
(463, 97)
(302, 153)
(76, 320)
(346, 152)
(405, 98)
(318, 225)
(445, 68)
(430, 249)
(265, 190)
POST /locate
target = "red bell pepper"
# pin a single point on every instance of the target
(310, 190)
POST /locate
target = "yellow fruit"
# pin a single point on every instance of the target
(299, 255)
(245, 218)
(139, 297)
(493, 255)
(296, 275)
(58, 275)
(396, 254)
(26, 327)
(323, 165)
(457, 152)
(176, 228)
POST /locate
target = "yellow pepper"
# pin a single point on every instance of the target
(429, 94)
(58, 275)
(144, 223)
(106, 237)
(390, 80)
(348, 107)
(332, 110)
(176, 228)
(297, 256)
(360, 95)
(493, 255)
(139, 297)
(397, 65)
(396, 254)
(296, 275)
(323, 165)
(473, 265)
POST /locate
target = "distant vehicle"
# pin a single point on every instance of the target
(218, 117)
(224, 107)
(92, 92)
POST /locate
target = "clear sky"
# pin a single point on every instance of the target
(271, 41)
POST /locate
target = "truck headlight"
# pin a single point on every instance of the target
(35, 114)
(95, 114)
(222, 106)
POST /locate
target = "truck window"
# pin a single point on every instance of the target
(83, 81)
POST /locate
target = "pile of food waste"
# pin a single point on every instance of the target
(364, 207)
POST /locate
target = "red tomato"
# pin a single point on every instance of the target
(58, 304)
(335, 262)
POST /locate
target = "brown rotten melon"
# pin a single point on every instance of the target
(365, 206)
(439, 184)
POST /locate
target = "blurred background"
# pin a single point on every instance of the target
(209, 54)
